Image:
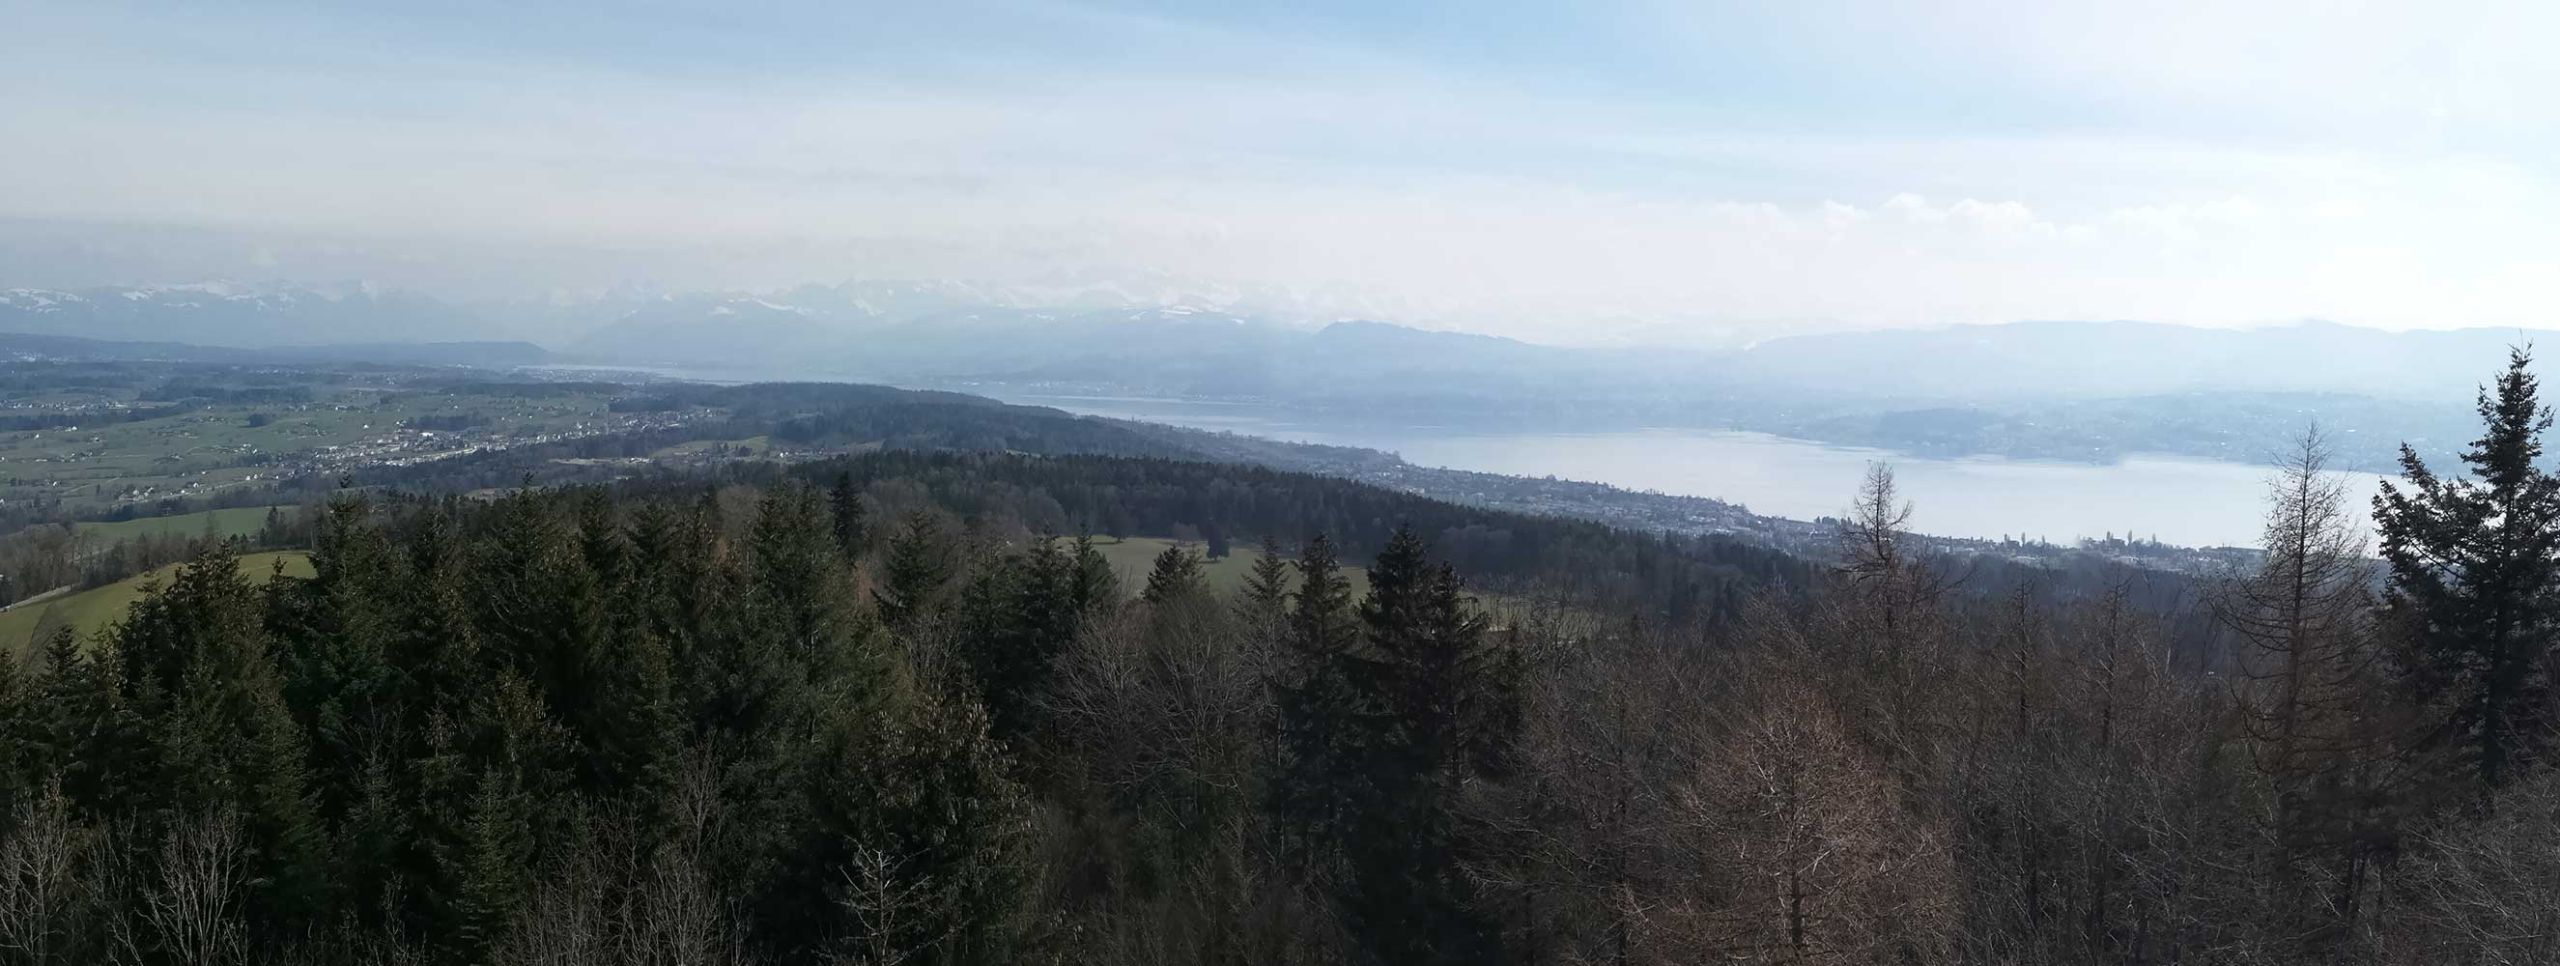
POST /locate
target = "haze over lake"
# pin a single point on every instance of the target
(2178, 501)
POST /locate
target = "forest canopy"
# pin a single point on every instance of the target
(901, 707)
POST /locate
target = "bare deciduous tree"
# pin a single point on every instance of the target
(2486, 891)
(2310, 693)
(193, 906)
(40, 887)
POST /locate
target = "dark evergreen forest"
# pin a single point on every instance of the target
(898, 708)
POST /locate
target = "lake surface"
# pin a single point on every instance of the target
(2177, 500)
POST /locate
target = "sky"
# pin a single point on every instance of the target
(1608, 171)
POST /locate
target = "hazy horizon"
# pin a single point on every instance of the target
(1626, 173)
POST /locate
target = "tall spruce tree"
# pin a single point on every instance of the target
(2474, 564)
(1091, 584)
(1442, 706)
(1015, 616)
(1266, 586)
(800, 586)
(338, 635)
(20, 743)
(88, 735)
(913, 572)
(844, 505)
(201, 680)
(918, 836)
(628, 726)
(1176, 575)
(1320, 780)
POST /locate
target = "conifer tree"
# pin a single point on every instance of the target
(487, 869)
(481, 824)
(1177, 574)
(2474, 565)
(539, 602)
(272, 533)
(1266, 586)
(19, 742)
(338, 637)
(439, 651)
(86, 736)
(629, 725)
(913, 572)
(1018, 614)
(1444, 707)
(1091, 585)
(845, 505)
(799, 579)
(199, 675)
(915, 847)
(1320, 782)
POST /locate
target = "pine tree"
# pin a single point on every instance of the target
(539, 603)
(629, 724)
(1444, 707)
(489, 868)
(2474, 565)
(1265, 595)
(688, 595)
(491, 788)
(86, 735)
(272, 533)
(1176, 575)
(1320, 784)
(199, 675)
(20, 742)
(845, 505)
(1018, 613)
(800, 583)
(338, 634)
(913, 572)
(916, 843)
(1091, 584)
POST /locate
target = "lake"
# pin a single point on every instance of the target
(2177, 500)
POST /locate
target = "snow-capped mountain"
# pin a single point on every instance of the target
(909, 330)
(233, 314)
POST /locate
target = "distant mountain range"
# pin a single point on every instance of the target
(2074, 390)
(21, 347)
(946, 331)
(1194, 351)
(239, 316)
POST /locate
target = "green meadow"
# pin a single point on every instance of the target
(92, 610)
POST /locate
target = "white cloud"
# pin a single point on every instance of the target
(1368, 187)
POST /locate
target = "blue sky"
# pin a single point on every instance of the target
(1591, 172)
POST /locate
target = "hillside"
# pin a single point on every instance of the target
(90, 611)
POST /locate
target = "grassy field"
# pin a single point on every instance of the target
(758, 445)
(1132, 558)
(92, 610)
(231, 522)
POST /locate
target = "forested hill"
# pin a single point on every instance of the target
(804, 713)
(813, 419)
(1680, 579)
(897, 707)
